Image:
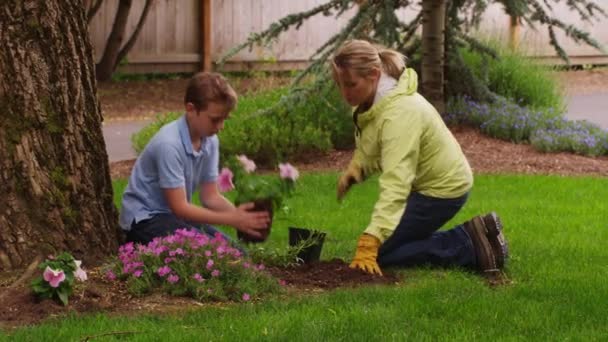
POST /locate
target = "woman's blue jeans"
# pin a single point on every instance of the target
(417, 241)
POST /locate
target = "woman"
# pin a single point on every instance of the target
(425, 178)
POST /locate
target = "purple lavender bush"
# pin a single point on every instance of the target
(547, 131)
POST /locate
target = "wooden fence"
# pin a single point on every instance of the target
(173, 38)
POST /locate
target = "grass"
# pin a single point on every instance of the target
(556, 227)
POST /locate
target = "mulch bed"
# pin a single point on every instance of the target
(19, 307)
(485, 154)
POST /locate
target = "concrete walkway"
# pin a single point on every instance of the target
(590, 107)
(117, 133)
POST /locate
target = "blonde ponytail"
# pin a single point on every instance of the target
(362, 57)
(393, 62)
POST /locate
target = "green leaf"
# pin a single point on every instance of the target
(63, 296)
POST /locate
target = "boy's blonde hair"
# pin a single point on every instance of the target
(362, 57)
(205, 87)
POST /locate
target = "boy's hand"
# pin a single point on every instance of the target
(350, 176)
(251, 222)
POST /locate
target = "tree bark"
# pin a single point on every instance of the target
(54, 173)
(109, 60)
(433, 35)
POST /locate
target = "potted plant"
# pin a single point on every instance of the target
(308, 243)
(266, 192)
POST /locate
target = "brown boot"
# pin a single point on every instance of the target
(486, 261)
(496, 238)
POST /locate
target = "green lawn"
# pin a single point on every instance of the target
(557, 229)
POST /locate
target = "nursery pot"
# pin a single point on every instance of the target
(310, 252)
(259, 205)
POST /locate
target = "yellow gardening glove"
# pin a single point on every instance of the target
(350, 176)
(366, 254)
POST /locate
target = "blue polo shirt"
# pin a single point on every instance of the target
(167, 162)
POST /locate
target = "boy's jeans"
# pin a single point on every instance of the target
(416, 240)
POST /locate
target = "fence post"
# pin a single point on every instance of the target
(514, 29)
(205, 35)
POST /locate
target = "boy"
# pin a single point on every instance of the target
(182, 155)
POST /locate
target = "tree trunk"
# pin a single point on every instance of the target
(109, 60)
(54, 174)
(433, 31)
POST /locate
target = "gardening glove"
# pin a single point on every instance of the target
(366, 254)
(353, 174)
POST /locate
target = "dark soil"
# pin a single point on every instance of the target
(19, 307)
(329, 275)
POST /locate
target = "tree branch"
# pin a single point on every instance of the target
(127, 47)
(93, 10)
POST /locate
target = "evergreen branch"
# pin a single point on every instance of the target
(577, 35)
(476, 45)
(284, 24)
(355, 26)
(558, 48)
(409, 29)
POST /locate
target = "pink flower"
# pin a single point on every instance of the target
(79, 274)
(209, 264)
(215, 273)
(282, 282)
(110, 275)
(198, 278)
(138, 273)
(287, 171)
(163, 271)
(224, 180)
(53, 277)
(246, 297)
(208, 253)
(174, 278)
(248, 164)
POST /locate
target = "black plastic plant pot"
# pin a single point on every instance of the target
(259, 205)
(310, 240)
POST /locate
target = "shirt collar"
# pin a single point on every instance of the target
(184, 134)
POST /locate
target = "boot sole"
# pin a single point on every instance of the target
(496, 238)
(486, 260)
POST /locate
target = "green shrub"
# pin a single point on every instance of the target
(517, 78)
(282, 133)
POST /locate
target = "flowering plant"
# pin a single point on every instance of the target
(58, 277)
(238, 175)
(190, 263)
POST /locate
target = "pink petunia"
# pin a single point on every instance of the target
(110, 275)
(287, 171)
(174, 278)
(248, 164)
(138, 273)
(224, 180)
(53, 277)
(163, 271)
(246, 297)
(209, 264)
(215, 273)
(198, 277)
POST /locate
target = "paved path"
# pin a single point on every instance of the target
(591, 107)
(117, 133)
